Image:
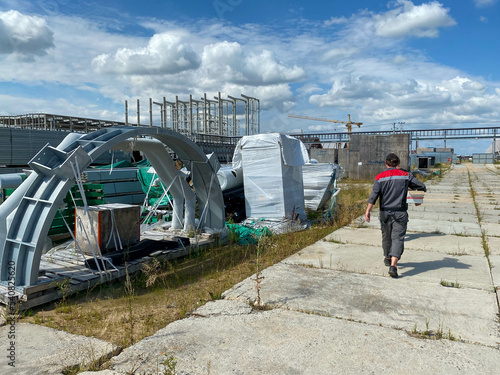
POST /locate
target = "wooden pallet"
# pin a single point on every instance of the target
(64, 273)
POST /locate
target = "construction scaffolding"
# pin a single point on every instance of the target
(229, 116)
(47, 121)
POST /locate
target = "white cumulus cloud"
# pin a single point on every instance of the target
(166, 53)
(416, 20)
(24, 35)
(228, 62)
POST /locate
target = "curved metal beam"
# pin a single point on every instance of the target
(26, 216)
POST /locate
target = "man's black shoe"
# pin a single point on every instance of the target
(393, 271)
(387, 261)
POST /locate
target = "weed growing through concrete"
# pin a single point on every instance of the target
(426, 332)
(484, 240)
(258, 276)
(483, 232)
(430, 334)
(92, 361)
(450, 335)
(336, 241)
(450, 284)
(169, 364)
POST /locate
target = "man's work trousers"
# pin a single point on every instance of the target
(393, 225)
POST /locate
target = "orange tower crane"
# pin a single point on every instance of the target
(348, 123)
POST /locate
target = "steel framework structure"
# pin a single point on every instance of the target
(217, 116)
(47, 121)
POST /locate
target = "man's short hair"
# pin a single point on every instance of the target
(392, 160)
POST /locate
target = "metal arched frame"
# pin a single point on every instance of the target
(26, 216)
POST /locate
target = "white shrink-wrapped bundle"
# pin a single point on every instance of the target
(319, 184)
(272, 175)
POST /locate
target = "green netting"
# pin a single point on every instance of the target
(246, 235)
(142, 163)
(153, 192)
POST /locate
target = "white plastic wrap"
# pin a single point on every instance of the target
(272, 165)
(294, 152)
(319, 183)
(229, 177)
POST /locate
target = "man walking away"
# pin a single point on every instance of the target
(391, 186)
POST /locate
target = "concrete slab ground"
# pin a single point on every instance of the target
(372, 300)
(433, 267)
(495, 219)
(43, 350)
(468, 228)
(288, 342)
(493, 245)
(437, 242)
(495, 270)
(487, 201)
(491, 229)
(446, 199)
(441, 216)
(450, 209)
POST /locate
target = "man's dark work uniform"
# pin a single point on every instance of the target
(391, 187)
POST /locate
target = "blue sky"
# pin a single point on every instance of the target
(425, 63)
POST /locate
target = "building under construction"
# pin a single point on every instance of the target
(214, 124)
(229, 116)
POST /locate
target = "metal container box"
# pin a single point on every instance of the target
(115, 225)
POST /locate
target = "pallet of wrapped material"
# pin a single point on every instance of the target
(272, 175)
(319, 184)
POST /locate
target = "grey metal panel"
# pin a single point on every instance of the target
(130, 199)
(124, 187)
(98, 175)
(18, 146)
(482, 158)
(22, 151)
(5, 146)
(128, 187)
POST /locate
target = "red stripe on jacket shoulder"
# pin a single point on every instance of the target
(391, 172)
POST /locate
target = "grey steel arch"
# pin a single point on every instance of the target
(26, 216)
